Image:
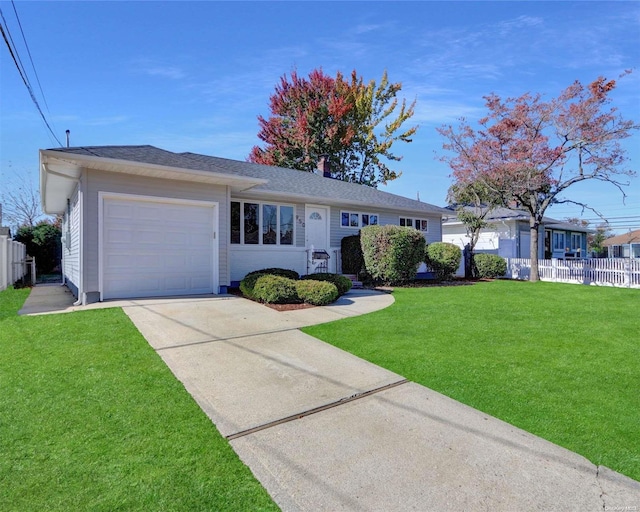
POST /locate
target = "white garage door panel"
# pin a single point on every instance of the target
(152, 248)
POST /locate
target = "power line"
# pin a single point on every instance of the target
(33, 66)
(16, 58)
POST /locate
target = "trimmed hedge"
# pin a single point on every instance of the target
(248, 284)
(343, 284)
(443, 259)
(351, 253)
(274, 289)
(318, 293)
(489, 265)
(392, 254)
(282, 272)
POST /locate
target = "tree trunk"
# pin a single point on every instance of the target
(533, 254)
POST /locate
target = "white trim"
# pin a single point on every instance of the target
(82, 297)
(215, 246)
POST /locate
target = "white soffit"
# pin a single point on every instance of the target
(59, 173)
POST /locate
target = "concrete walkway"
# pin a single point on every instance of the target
(326, 431)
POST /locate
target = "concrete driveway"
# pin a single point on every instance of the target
(326, 431)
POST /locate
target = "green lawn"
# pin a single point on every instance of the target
(92, 419)
(560, 361)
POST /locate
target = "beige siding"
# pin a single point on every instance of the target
(100, 181)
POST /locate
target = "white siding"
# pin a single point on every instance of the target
(71, 245)
(247, 258)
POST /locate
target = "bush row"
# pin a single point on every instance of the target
(282, 286)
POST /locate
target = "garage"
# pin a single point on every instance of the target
(153, 247)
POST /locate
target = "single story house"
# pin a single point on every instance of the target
(626, 245)
(509, 235)
(139, 221)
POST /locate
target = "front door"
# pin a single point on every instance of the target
(317, 227)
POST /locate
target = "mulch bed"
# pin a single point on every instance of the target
(420, 283)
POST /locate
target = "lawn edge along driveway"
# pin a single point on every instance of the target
(92, 419)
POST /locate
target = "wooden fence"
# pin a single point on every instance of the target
(13, 257)
(621, 272)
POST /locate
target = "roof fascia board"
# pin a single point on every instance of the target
(164, 171)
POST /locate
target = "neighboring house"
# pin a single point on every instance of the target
(509, 236)
(624, 246)
(139, 221)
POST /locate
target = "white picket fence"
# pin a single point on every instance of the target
(13, 265)
(620, 272)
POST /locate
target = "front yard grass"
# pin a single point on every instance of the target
(560, 361)
(92, 419)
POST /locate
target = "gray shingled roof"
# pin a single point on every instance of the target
(287, 182)
(499, 214)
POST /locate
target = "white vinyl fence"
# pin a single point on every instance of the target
(13, 265)
(621, 272)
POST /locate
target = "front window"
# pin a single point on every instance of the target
(261, 224)
(576, 242)
(251, 232)
(558, 241)
(419, 224)
(357, 219)
(286, 225)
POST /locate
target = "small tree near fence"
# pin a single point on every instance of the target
(529, 151)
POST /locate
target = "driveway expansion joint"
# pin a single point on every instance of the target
(228, 338)
(315, 410)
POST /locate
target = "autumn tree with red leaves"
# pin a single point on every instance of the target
(529, 151)
(353, 122)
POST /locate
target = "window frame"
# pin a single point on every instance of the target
(555, 236)
(414, 221)
(576, 236)
(260, 223)
(359, 218)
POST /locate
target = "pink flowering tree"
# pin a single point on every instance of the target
(529, 151)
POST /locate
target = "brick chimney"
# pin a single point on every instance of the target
(324, 167)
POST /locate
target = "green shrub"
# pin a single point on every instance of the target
(282, 272)
(392, 254)
(248, 284)
(489, 265)
(318, 293)
(443, 259)
(43, 242)
(275, 290)
(351, 253)
(343, 284)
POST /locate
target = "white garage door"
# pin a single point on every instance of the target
(152, 248)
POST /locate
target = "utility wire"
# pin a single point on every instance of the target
(16, 58)
(33, 66)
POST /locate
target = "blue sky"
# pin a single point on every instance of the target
(193, 76)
